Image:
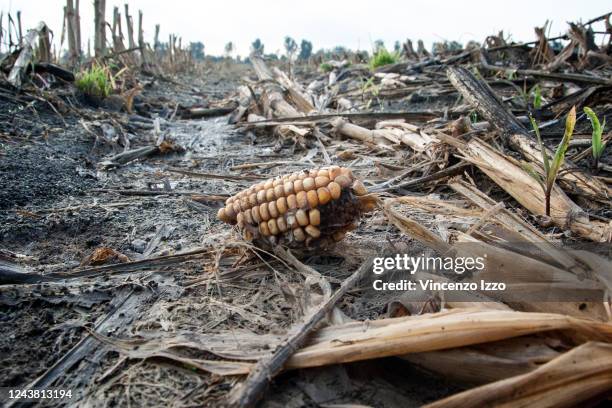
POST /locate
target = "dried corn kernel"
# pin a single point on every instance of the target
(281, 205)
(255, 214)
(279, 191)
(248, 217)
(272, 210)
(323, 195)
(312, 198)
(263, 212)
(334, 190)
(253, 199)
(222, 215)
(263, 228)
(312, 231)
(334, 172)
(298, 185)
(282, 224)
(309, 184)
(343, 181)
(314, 217)
(292, 202)
(302, 199)
(273, 227)
(302, 218)
(359, 188)
(321, 181)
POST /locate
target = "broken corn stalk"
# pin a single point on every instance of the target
(301, 208)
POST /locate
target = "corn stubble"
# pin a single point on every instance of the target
(304, 209)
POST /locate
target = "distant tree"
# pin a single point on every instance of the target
(229, 48)
(290, 47)
(339, 51)
(257, 47)
(397, 47)
(305, 50)
(197, 50)
(379, 45)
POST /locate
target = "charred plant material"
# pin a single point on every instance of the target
(99, 27)
(26, 54)
(304, 208)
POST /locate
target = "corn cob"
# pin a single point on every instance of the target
(299, 209)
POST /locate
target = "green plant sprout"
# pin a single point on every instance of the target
(551, 167)
(537, 97)
(473, 117)
(95, 82)
(369, 86)
(597, 145)
(383, 57)
(325, 67)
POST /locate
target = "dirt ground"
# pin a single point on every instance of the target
(57, 205)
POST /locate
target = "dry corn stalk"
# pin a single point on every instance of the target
(439, 331)
(484, 363)
(573, 379)
(358, 341)
(307, 207)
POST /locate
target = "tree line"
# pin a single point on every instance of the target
(304, 51)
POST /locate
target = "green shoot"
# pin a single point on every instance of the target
(369, 85)
(537, 97)
(383, 57)
(597, 145)
(325, 67)
(95, 82)
(551, 166)
(473, 117)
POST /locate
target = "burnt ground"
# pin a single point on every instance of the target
(58, 205)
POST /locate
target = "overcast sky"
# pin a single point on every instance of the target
(353, 23)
